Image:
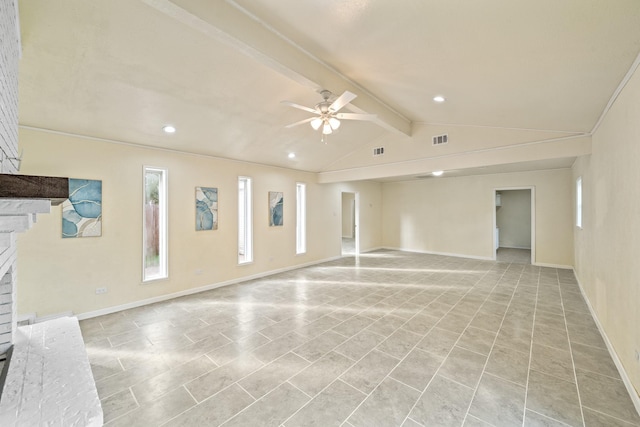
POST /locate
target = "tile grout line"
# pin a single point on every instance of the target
(573, 364)
(533, 329)
(484, 368)
(454, 345)
(548, 417)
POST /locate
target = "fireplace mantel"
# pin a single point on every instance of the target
(55, 189)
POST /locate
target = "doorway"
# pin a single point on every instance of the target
(350, 219)
(514, 225)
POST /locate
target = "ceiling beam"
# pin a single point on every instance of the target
(228, 23)
(557, 148)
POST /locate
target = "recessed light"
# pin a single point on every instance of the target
(437, 173)
(292, 155)
(438, 98)
(169, 129)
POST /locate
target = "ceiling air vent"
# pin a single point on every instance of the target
(378, 151)
(440, 139)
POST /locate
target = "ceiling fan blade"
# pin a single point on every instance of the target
(300, 122)
(298, 106)
(342, 100)
(354, 116)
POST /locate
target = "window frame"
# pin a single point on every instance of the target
(579, 203)
(245, 220)
(301, 218)
(163, 221)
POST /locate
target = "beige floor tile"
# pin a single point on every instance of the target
(272, 410)
(498, 402)
(463, 366)
(417, 369)
(272, 375)
(215, 410)
(370, 371)
(444, 403)
(157, 412)
(320, 374)
(350, 319)
(554, 398)
(329, 408)
(388, 405)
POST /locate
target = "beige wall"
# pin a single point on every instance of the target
(58, 275)
(455, 215)
(608, 246)
(513, 219)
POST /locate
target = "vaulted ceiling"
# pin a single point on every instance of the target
(525, 81)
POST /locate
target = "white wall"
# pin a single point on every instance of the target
(607, 249)
(60, 275)
(513, 219)
(455, 215)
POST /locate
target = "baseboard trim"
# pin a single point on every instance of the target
(160, 298)
(439, 253)
(514, 247)
(635, 398)
(52, 316)
(561, 266)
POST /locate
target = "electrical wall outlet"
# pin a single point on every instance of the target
(198, 271)
(101, 291)
(637, 356)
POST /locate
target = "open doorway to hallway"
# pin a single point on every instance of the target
(350, 235)
(514, 225)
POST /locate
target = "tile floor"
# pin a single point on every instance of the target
(516, 256)
(390, 339)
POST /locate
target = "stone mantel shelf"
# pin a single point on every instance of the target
(53, 188)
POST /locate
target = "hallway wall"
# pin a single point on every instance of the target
(455, 215)
(608, 244)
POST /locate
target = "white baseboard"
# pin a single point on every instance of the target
(514, 247)
(369, 250)
(561, 266)
(635, 398)
(140, 303)
(53, 316)
(439, 253)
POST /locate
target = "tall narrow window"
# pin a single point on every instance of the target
(245, 221)
(579, 202)
(154, 229)
(301, 218)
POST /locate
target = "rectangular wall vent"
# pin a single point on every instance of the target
(440, 139)
(378, 151)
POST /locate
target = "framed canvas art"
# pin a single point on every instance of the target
(82, 211)
(206, 208)
(276, 205)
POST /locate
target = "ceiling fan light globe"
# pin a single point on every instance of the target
(326, 129)
(334, 123)
(316, 123)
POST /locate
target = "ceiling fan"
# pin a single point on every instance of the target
(328, 118)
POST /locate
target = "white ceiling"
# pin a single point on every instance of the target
(121, 69)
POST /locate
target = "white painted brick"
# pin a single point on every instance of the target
(9, 56)
(54, 385)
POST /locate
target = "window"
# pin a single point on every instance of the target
(154, 228)
(245, 221)
(301, 218)
(579, 202)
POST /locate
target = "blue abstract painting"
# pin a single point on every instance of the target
(276, 206)
(206, 208)
(82, 211)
